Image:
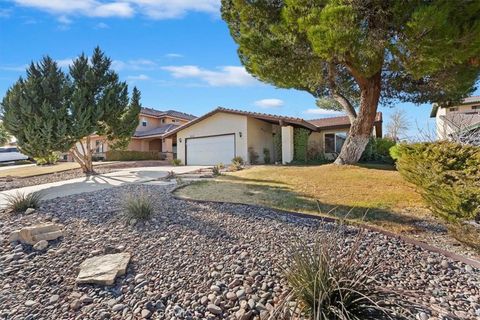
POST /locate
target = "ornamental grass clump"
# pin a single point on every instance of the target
(333, 279)
(139, 207)
(20, 202)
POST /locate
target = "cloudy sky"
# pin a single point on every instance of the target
(178, 53)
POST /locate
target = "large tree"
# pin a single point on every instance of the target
(360, 53)
(50, 111)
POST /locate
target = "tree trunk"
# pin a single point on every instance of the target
(83, 156)
(361, 128)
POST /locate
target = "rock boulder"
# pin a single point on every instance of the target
(103, 269)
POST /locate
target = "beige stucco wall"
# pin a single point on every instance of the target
(219, 123)
(259, 135)
(152, 123)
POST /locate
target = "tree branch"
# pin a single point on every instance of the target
(340, 98)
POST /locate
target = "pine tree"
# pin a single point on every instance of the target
(360, 52)
(35, 111)
(51, 112)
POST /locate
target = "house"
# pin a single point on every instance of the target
(457, 121)
(223, 134)
(152, 133)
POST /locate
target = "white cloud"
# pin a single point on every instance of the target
(140, 77)
(138, 64)
(224, 76)
(318, 111)
(269, 103)
(64, 63)
(174, 55)
(102, 25)
(15, 68)
(154, 9)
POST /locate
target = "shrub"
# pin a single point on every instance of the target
(448, 175)
(378, 150)
(139, 207)
(216, 170)
(127, 155)
(238, 160)
(331, 279)
(19, 201)
(266, 156)
(50, 159)
(300, 144)
(253, 156)
(176, 162)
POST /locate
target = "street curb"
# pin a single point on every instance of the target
(423, 245)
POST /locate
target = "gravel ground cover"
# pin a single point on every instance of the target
(196, 261)
(14, 183)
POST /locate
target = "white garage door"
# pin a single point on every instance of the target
(210, 150)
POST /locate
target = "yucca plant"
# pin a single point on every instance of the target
(140, 207)
(20, 201)
(332, 280)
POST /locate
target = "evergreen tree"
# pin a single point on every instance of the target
(51, 112)
(4, 136)
(35, 110)
(360, 52)
(100, 105)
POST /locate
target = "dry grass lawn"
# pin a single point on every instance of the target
(375, 195)
(30, 171)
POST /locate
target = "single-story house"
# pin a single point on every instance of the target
(222, 134)
(153, 133)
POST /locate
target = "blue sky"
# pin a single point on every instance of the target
(178, 53)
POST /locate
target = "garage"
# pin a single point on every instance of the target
(210, 150)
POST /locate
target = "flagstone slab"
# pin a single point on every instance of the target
(33, 234)
(104, 269)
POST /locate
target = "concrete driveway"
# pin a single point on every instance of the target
(99, 182)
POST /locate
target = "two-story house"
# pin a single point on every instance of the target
(152, 133)
(457, 120)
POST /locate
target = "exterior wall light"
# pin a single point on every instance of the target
(180, 140)
(240, 134)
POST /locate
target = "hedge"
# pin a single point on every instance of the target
(378, 150)
(447, 173)
(118, 155)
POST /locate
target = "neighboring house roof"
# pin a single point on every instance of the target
(159, 131)
(172, 113)
(314, 125)
(341, 121)
(468, 100)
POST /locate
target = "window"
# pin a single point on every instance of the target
(144, 122)
(163, 120)
(98, 147)
(174, 120)
(453, 109)
(334, 142)
(475, 107)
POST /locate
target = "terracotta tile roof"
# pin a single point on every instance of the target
(338, 121)
(257, 115)
(172, 113)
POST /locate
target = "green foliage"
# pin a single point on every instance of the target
(266, 156)
(300, 144)
(216, 170)
(253, 155)
(237, 164)
(50, 111)
(139, 207)
(19, 201)
(176, 162)
(378, 150)
(49, 159)
(332, 280)
(360, 52)
(277, 146)
(448, 175)
(4, 136)
(36, 110)
(126, 155)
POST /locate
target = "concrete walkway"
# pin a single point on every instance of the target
(99, 182)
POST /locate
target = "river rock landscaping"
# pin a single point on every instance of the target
(196, 261)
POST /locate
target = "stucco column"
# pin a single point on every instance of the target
(287, 144)
(167, 145)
